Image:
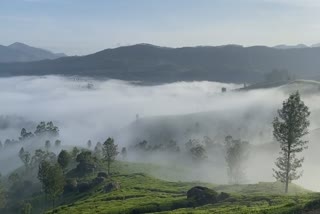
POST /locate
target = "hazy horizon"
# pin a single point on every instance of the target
(55, 25)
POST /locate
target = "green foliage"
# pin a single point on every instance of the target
(288, 129)
(110, 151)
(26, 208)
(3, 197)
(75, 151)
(86, 163)
(64, 159)
(40, 155)
(14, 177)
(52, 179)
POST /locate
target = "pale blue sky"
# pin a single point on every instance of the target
(86, 26)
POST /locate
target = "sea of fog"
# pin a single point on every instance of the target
(91, 109)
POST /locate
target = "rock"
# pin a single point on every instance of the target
(111, 187)
(84, 187)
(202, 195)
(98, 180)
(223, 196)
(103, 174)
(71, 185)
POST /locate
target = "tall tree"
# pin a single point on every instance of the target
(110, 151)
(198, 153)
(89, 144)
(124, 153)
(236, 155)
(288, 129)
(25, 157)
(47, 145)
(75, 151)
(64, 159)
(52, 180)
(57, 143)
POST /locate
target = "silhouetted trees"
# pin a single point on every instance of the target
(25, 157)
(236, 155)
(47, 130)
(288, 129)
(24, 135)
(89, 144)
(57, 143)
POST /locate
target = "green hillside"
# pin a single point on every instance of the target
(141, 193)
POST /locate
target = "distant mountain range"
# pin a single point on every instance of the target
(154, 64)
(19, 52)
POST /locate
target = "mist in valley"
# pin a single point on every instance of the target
(86, 109)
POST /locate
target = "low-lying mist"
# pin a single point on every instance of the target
(86, 109)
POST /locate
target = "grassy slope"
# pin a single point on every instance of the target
(141, 193)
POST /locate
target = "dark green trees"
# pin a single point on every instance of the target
(288, 129)
(86, 163)
(110, 151)
(64, 159)
(52, 180)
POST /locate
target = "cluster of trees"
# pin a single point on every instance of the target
(51, 169)
(167, 146)
(43, 132)
(51, 173)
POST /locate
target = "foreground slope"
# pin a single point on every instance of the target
(140, 193)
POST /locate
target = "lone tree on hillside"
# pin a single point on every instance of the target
(288, 129)
(110, 151)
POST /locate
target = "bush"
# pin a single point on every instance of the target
(71, 185)
(202, 195)
(98, 180)
(103, 174)
(84, 187)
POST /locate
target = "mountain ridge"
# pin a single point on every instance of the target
(20, 52)
(155, 64)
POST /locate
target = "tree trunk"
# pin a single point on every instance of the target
(287, 171)
(52, 205)
(108, 167)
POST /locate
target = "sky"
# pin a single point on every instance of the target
(78, 27)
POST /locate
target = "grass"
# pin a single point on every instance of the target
(141, 193)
